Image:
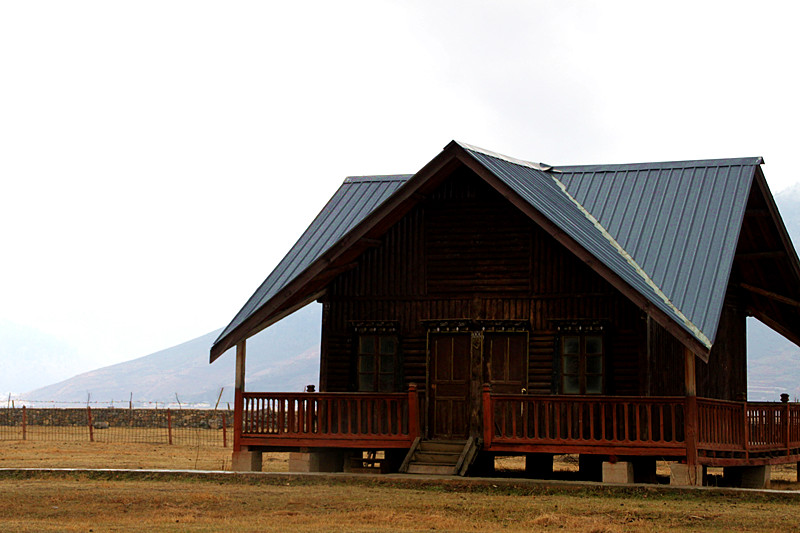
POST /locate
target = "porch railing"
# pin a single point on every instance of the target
(580, 423)
(749, 428)
(305, 419)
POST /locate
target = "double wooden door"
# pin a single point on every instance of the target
(459, 365)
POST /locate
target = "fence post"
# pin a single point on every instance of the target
(91, 426)
(169, 425)
(24, 423)
(224, 432)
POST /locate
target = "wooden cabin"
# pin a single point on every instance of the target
(490, 306)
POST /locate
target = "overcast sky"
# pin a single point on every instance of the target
(158, 158)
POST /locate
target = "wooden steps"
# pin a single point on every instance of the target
(440, 457)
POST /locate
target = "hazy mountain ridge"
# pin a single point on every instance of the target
(283, 357)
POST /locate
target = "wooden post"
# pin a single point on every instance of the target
(238, 398)
(690, 415)
(785, 422)
(488, 415)
(169, 425)
(224, 432)
(413, 411)
(24, 423)
(91, 426)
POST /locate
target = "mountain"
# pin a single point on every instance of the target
(283, 357)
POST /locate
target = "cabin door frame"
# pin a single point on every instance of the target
(460, 358)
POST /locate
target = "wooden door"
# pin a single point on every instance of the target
(448, 388)
(506, 360)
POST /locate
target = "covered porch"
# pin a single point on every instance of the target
(692, 432)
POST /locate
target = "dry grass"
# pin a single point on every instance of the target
(81, 504)
(78, 502)
(32, 454)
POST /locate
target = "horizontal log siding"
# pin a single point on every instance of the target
(415, 273)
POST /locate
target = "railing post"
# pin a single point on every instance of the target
(91, 426)
(488, 415)
(24, 423)
(413, 411)
(785, 422)
(746, 432)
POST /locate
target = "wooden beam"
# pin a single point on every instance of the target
(761, 255)
(769, 294)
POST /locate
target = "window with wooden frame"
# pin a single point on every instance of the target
(582, 359)
(377, 364)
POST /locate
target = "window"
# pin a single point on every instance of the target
(377, 363)
(582, 361)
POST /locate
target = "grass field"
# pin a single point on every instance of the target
(126, 502)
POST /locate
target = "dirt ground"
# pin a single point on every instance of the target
(33, 454)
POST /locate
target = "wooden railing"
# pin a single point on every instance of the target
(330, 419)
(584, 423)
(748, 428)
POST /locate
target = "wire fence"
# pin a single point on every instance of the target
(194, 427)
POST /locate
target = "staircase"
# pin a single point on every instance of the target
(440, 457)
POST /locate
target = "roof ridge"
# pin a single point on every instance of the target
(542, 167)
(377, 177)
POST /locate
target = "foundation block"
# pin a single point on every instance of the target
(246, 461)
(332, 461)
(748, 477)
(681, 474)
(619, 472)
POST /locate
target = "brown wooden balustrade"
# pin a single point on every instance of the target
(584, 424)
(370, 420)
(747, 430)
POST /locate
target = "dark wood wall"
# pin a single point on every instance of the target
(465, 252)
(724, 376)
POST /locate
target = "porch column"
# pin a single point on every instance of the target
(238, 399)
(244, 460)
(691, 419)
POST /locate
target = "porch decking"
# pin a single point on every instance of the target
(721, 433)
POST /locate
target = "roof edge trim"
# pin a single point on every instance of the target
(631, 261)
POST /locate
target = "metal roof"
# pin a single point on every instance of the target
(357, 197)
(669, 230)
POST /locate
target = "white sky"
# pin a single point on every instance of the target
(158, 158)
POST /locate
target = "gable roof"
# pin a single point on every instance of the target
(664, 233)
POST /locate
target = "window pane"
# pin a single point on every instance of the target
(570, 364)
(594, 364)
(366, 383)
(571, 345)
(594, 384)
(387, 364)
(386, 383)
(366, 344)
(572, 385)
(594, 344)
(388, 345)
(366, 363)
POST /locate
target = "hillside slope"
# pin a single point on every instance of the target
(283, 357)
